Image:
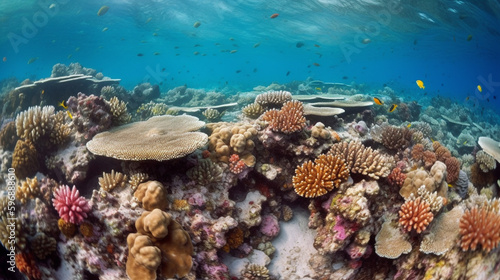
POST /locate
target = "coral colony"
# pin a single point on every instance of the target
(277, 183)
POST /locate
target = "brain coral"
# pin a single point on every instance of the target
(480, 226)
(318, 178)
(288, 120)
(363, 160)
(159, 138)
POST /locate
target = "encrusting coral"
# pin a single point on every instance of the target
(318, 178)
(363, 160)
(109, 181)
(159, 138)
(288, 120)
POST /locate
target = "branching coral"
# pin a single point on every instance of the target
(253, 110)
(452, 169)
(27, 190)
(318, 178)
(205, 173)
(109, 181)
(236, 165)
(212, 115)
(396, 138)
(273, 98)
(8, 136)
(363, 160)
(480, 226)
(148, 110)
(415, 214)
(27, 265)
(288, 120)
(417, 152)
(137, 178)
(91, 114)
(255, 272)
(43, 245)
(71, 206)
(119, 111)
(396, 178)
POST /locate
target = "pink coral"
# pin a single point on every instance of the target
(71, 206)
(270, 226)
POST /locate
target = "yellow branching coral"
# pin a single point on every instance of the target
(119, 111)
(363, 160)
(288, 120)
(109, 181)
(318, 178)
(253, 110)
(27, 190)
(137, 178)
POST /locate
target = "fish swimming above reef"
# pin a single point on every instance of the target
(393, 107)
(420, 84)
(275, 15)
(33, 59)
(103, 10)
(197, 24)
(479, 88)
(378, 101)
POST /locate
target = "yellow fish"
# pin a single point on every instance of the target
(318, 89)
(69, 114)
(43, 91)
(465, 142)
(479, 88)
(409, 125)
(393, 107)
(420, 84)
(378, 101)
(62, 105)
(450, 185)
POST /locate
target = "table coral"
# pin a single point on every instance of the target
(288, 120)
(318, 178)
(415, 215)
(71, 206)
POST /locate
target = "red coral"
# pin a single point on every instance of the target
(236, 165)
(71, 206)
(27, 265)
(287, 120)
(415, 215)
(417, 153)
(480, 226)
(452, 169)
(396, 178)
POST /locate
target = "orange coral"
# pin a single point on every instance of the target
(452, 169)
(86, 229)
(287, 120)
(480, 226)
(234, 239)
(27, 265)
(415, 214)
(417, 153)
(318, 178)
(442, 153)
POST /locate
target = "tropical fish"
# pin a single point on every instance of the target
(465, 142)
(299, 44)
(275, 15)
(450, 185)
(69, 114)
(140, 54)
(409, 125)
(288, 73)
(366, 41)
(77, 49)
(197, 24)
(103, 10)
(104, 29)
(420, 84)
(156, 53)
(52, 6)
(316, 45)
(233, 51)
(318, 89)
(69, 56)
(43, 91)
(196, 53)
(4, 58)
(155, 34)
(469, 37)
(393, 107)
(479, 88)
(467, 98)
(63, 105)
(148, 20)
(378, 101)
(256, 45)
(316, 64)
(33, 59)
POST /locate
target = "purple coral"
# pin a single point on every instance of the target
(71, 206)
(269, 225)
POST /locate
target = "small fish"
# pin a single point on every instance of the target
(275, 15)
(140, 54)
(432, 140)
(196, 53)
(63, 105)
(316, 64)
(33, 59)
(420, 84)
(408, 125)
(378, 101)
(70, 56)
(148, 20)
(156, 53)
(366, 41)
(52, 6)
(197, 24)
(299, 44)
(104, 29)
(318, 89)
(393, 107)
(469, 37)
(233, 51)
(238, 71)
(77, 49)
(43, 91)
(316, 45)
(479, 88)
(467, 98)
(197, 45)
(450, 185)
(69, 114)
(155, 34)
(4, 58)
(465, 142)
(287, 73)
(256, 45)
(103, 10)
(231, 39)
(494, 97)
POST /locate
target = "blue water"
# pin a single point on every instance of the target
(450, 45)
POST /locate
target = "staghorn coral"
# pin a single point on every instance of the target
(152, 195)
(70, 205)
(212, 115)
(27, 190)
(24, 159)
(43, 245)
(415, 214)
(255, 272)
(318, 178)
(253, 110)
(8, 136)
(485, 161)
(363, 160)
(396, 138)
(273, 98)
(288, 120)
(118, 111)
(452, 169)
(159, 138)
(480, 226)
(109, 181)
(205, 173)
(137, 178)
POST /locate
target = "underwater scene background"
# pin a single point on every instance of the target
(319, 139)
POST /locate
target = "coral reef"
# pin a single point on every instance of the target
(396, 138)
(253, 110)
(485, 161)
(479, 226)
(118, 111)
(90, 115)
(273, 98)
(212, 115)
